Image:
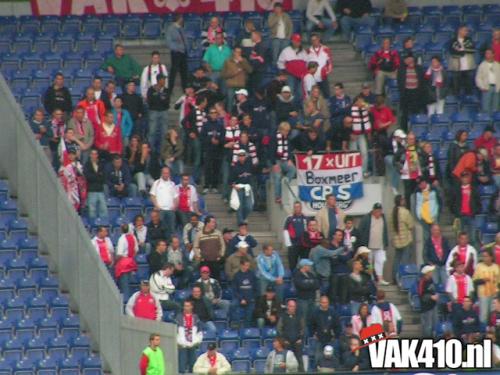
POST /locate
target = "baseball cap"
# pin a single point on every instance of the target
(205, 269)
(363, 250)
(242, 92)
(400, 133)
(286, 89)
(227, 230)
(328, 350)
(296, 38)
(242, 244)
(305, 262)
(377, 206)
(426, 269)
(211, 346)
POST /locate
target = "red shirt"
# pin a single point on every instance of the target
(496, 50)
(466, 193)
(437, 242)
(145, 306)
(382, 115)
(111, 143)
(94, 111)
(461, 281)
(185, 199)
(489, 144)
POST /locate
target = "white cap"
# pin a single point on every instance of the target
(242, 92)
(286, 89)
(400, 133)
(427, 269)
(363, 250)
(242, 244)
(328, 350)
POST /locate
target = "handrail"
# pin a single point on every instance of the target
(64, 239)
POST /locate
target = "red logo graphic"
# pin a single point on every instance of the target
(371, 335)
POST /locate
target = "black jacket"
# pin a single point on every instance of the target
(306, 285)
(261, 308)
(291, 327)
(426, 289)
(156, 261)
(325, 325)
(242, 173)
(350, 360)
(358, 291)
(283, 108)
(364, 230)
(134, 104)
(158, 100)
(202, 307)
(57, 99)
(430, 255)
(421, 88)
(95, 180)
(465, 321)
(155, 232)
(357, 7)
(303, 143)
(455, 152)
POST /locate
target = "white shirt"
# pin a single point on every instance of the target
(321, 55)
(148, 77)
(161, 286)
(307, 84)
(492, 80)
(316, 9)
(193, 195)
(109, 245)
(122, 246)
(165, 194)
(140, 234)
(280, 31)
(97, 94)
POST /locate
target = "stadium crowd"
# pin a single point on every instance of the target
(235, 134)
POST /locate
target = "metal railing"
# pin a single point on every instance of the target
(63, 238)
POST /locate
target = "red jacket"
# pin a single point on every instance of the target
(487, 144)
(468, 162)
(101, 109)
(384, 60)
(111, 143)
(382, 115)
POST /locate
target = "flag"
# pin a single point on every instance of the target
(63, 153)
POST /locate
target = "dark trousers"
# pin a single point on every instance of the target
(179, 65)
(293, 256)
(463, 81)
(409, 105)
(410, 186)
(336, 295)
(212, 169)
(324, 86)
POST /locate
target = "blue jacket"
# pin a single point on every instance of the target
(321, 257)
(465, 321)
(245, 286)
(430, 255)
(176, 38)
(249, 239)
(114, 177)
(339, 107)
(126, 125)
(270, 268)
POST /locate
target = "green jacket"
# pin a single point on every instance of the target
(125, 67)
(216, 56)
(156, 364)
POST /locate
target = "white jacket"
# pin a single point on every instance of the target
(202, 365)
(290, 361)
(181, 337)
(323, 56)
(482, 76)
(377, 315)
(452, 287)
(148, 77)
(471, 252)
(161, 286)
(109, 245)
(289, 54)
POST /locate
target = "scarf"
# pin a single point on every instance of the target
(103, 250)
(412, 163)
(436, 75)
(79, 127)
(213, 360)
(162, 69)
(282, 147)
(431, 167)
(57, 128)
(461, 282)
(438, 246)
(92, 113)
(462, 254)
(188, 327)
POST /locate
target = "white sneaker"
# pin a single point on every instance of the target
(205, 191)
(383, 282)
(395, 191)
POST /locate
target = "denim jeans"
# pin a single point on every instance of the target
(285, 169)
(246, 206)
(392, 172)
(143, 180)
(485, 308)
(168, 218)
(361, 144)
(238, 311)
(176, 167)
(96, 204)
(327, 31)
(401, 256)
(278, 45)
(124, 285)
(296, 87)
(349, 23)
(194, 147)
(305, 308)
(490, 100)
(222, 304)
(440, 275)
(428, 321)
(426, 230)
(264, 283)
(187, 358)
(226, 165)
(157, 125)
(208, 326)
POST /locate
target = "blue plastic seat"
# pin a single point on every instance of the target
(111, 27)
(240, 367)
(152, 29)
(69, 363)
(259, 366)
(251, 344)
(131, 29)
(229, 345)
(268, 332)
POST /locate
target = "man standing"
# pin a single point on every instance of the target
(241, 181)
(126, 249)
(466, 203)
(123, 66)
(104, 246)
(488, 81)
(354, 13)
(158, 258)
(94, 175)
(291, 328)
(322, 55)
(267, 308)
(306, 285)
(233, 262)
(270, 270)
(374, 235)
(325, 326)
(209, 247)
(157, 98)
(384, 64)
(190, 231)
(330, 217)
(245, 291)
(212, 290)
(165, 198)
(436, 251)
(188, 200)
(487, 278)
(189, 337)
(84, 132)
(152, 360)
(293, 231)
(463, 252)
(144, 305)
(281, 27)
(58, 96)
(427, 206)
(214, 58)
(176, 42)
(428, 301)
(150, 73)
(133, 103)
(411, 86)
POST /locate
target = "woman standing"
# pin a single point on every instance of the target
(402, 238)
(435, 77)
(173, 151)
